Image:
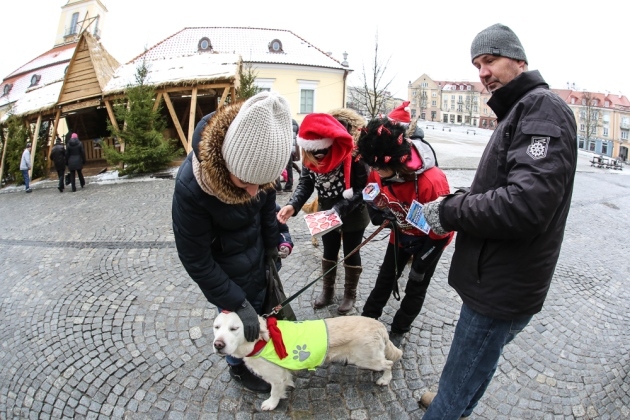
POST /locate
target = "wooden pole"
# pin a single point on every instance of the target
(55, 125)
(178, 126)
(4, 152)
(34, 143)
(191, 118)
(158, 99)
(223, 97)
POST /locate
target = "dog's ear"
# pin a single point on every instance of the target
(264, 331)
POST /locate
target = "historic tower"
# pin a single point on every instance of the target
(78, 16)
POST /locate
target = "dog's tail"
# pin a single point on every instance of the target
(392, 352)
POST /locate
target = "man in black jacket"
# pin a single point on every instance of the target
(58, 156)
(224, 209)
(510, 224)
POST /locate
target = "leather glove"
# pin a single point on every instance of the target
(272, 253)
(249, 317)
(284, 251)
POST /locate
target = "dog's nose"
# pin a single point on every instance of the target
(219, 345)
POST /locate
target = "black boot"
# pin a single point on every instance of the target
(328, 288)
(350, 288)
(241, 374)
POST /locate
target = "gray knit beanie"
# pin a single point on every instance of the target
(258, 142)
(497, 40)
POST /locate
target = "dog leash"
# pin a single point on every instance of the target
(288, 300)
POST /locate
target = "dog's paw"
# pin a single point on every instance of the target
(385, 379)
(269, 404)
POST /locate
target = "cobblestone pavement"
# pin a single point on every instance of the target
(99, 319)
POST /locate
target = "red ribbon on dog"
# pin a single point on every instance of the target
(276, 337)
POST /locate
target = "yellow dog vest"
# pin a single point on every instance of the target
(306, 343)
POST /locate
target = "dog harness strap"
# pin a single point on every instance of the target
(276, 337)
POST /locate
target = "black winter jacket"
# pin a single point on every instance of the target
(58, 156)
(221, 236)
(75, 155)
(511, 224)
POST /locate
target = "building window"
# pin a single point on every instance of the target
(604, 148)
(35, 79)
(591, 146)
(6, 89)
(73, 23)
(572, 101)
(275, 46)
(624, 135)
(606, 104)
(581, 143)
(432, 115)
(445, 118)
(204, 44)
(433, 103)
(307, 96)
(581, 127)
(469, 87)
(452, 107)
(605, 131)
(264, 85)
(459, 118)
(424, 84)
(595, 102)
(434, 94)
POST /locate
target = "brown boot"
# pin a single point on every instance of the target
(350, 288)
(328, 289)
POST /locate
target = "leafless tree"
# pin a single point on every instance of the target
(590, 117)
(372, 97)
(471, 106)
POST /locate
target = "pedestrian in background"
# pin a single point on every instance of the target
(75, 159)
(509, 225)
(404, 171)
(224, 210)
(58, 156)
(295, 155)
(329, 166)
(25, 166)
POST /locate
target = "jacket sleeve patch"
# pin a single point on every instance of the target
(538, 147)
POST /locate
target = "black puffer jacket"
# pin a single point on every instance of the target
(511, 224)
(58, 155)
(221, 232)
(75, 155)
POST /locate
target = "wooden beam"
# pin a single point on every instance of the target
(4, 152)
(199, 111)
(223, 97)
(34, 143)
(52, 143)
(191, 119)
(178, 126)
(112, 116)
(158, 99)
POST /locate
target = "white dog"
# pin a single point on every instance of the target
(355, 340)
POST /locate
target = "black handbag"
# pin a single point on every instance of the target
(68, 178)
(275, 294)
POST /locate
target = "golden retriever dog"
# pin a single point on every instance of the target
(355, 340)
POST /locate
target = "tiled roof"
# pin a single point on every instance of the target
(56, 55)
(251, 43)
(21, 85)
(574, 97)
(456, 86)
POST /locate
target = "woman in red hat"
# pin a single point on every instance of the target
(404, 171)
(328, 166)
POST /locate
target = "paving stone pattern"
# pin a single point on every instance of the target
(100, 320)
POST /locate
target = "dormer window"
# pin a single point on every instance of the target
(6, 89)
(204, 44)
(35, 79)
(275, 46)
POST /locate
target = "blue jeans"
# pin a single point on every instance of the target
(477, 344)
(27, 180)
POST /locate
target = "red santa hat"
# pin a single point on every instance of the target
(401, 114)
(323, 131)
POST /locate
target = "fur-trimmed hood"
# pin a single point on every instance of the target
(213, 176)
(351, 118)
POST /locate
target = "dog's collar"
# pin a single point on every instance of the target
(257, 348)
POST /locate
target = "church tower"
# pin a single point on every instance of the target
(78, 16)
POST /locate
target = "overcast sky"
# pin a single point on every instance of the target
(585, 43)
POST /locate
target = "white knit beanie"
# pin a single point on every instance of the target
(258, 142)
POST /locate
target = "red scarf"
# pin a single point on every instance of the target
(276, 338)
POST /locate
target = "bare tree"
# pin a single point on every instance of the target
(372, 96)
(420, 99)
(471, 106)
(590, 117)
